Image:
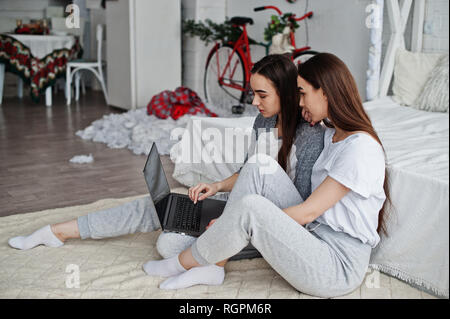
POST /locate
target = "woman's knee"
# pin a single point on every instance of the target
(257, 203)
(260, 165)
(253, 205)
(171, 244)
(251, 200)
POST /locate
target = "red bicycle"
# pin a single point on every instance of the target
(227, 72)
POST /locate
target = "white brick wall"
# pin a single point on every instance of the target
(194, 50)
(435, 38)
(435, 29)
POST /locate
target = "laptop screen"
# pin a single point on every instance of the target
(155, 177)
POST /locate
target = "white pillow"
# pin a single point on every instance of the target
(434, 96)
(411, 72)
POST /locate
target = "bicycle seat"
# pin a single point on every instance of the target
(241, 20)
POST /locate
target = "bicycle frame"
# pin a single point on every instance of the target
(243, 48)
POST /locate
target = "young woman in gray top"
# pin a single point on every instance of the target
(274, 81)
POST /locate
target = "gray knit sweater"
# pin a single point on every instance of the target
(309, 145)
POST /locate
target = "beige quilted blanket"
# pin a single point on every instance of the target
(111, 268)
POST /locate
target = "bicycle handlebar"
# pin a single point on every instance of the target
(307, 15)
(268, 7)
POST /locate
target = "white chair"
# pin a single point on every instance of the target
(58, 27)
(95, 67)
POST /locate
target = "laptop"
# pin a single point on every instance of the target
(177, 212)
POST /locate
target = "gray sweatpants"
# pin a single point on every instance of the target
(314, 259)
(137, 216)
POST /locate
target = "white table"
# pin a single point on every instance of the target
(40, 46)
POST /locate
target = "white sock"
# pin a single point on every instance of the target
(212, 275)
(42, 236)
(165, 268)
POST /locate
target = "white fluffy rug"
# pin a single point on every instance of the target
(112, 268)
(137, 130)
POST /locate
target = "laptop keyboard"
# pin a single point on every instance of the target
(187, 214)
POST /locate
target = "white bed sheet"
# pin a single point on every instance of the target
(417, 150)
(415, 141)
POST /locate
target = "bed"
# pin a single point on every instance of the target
(417, 150)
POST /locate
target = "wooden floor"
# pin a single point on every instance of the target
(36, 144)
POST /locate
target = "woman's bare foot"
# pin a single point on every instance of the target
(66, 230)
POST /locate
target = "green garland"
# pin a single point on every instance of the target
(277, 25)
(210, 31)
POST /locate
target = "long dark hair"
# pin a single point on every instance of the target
(282, 72)
(345, 107)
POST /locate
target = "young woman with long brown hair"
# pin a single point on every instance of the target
(297, 146)
(320, 245)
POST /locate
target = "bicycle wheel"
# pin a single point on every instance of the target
(232, 91)
(303, 56)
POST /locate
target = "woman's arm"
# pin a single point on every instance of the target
(324, 197)
(227, 184)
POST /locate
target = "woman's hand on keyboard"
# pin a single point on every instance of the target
(207, 189)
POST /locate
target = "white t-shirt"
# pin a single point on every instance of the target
(358, 163)
(267, 142)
